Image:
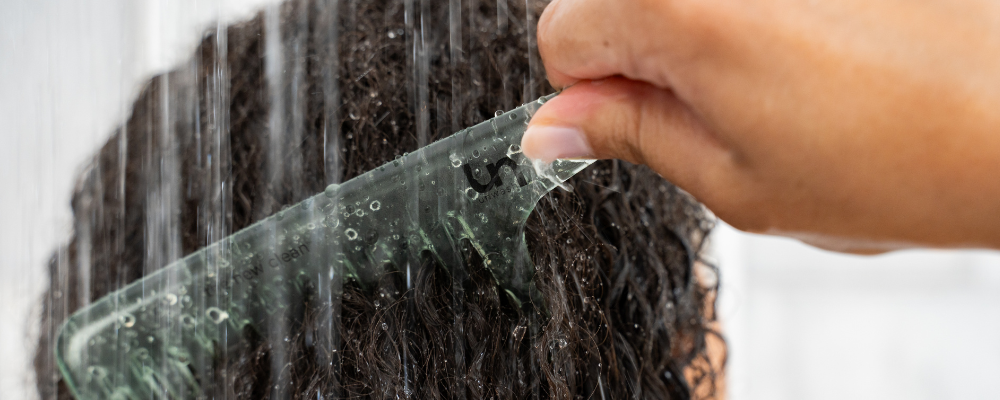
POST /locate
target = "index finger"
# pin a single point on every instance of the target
(594, 39)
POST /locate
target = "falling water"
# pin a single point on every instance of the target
(279, 169)
(175, 157)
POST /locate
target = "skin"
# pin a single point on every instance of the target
(853, 125)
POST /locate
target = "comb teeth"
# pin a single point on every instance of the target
(159, 337)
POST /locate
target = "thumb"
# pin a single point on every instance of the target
(636, 122)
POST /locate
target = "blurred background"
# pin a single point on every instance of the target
(804, 323)
(801, 323)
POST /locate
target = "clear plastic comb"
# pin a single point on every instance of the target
(154, 337)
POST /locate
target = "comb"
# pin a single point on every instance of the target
(160, 336)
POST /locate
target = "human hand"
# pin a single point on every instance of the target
(854, 125)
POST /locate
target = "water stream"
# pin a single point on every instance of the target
(186, 131)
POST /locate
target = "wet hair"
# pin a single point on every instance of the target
(269, 111)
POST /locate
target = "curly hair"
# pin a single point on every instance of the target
(271, 110)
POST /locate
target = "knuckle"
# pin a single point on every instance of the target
(627, 131)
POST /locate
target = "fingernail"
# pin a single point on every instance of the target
(548, 143)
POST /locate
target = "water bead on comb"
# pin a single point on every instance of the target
(159, 336)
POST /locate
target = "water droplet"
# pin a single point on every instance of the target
(392, 35)
(475, 153)
(170, 299)
(187, 320)
(331, 190)
(498, 113)
(354, 117)
(513, 116)
(351, 233)
(385, 326)
(216, 315)
(375, 206)
(471, 193)
(373, 94)
(542, 100)
(514, 149)
(455, 161)
(127, 320)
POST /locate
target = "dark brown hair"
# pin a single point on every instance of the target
(271, 110)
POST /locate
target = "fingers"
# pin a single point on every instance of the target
(634, 121)
(593, 39)
(855, 246)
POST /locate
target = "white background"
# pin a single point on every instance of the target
(68, 70)
(809, 324)
(801, 323)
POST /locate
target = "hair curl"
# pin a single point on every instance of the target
(353, 84)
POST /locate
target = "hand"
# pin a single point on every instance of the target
(856, 125)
